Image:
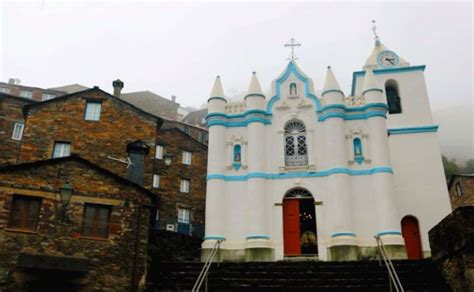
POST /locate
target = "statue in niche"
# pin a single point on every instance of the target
(293, 90)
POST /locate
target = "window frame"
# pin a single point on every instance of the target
(21, 131)
(96, 221)
(162, 149)
(185, 155)
(458, 187)
(49, 95)
(29, 95)
(295, 141)
(5, 90)
(156, 181)
(184, 219)
(184, 187)
(56, 143)
(95, 103)
(25, 214)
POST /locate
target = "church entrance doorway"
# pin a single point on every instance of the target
(411, 234)
(299, 223)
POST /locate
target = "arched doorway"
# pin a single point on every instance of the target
(299, 223)
(411, 234)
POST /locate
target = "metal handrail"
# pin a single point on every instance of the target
(388, 263)
(207, 265)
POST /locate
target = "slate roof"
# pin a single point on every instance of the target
(197, 118)
(152, 103)
(71, 88)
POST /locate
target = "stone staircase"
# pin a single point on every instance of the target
(420, 275)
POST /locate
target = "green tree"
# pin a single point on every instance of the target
(450, 167)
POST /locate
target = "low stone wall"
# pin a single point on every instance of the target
(167, 246)
(452, 248)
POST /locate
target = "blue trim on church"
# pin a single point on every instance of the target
(336, 234)
(257, 236)
(385, 71)
(214, 237)
(411, 130)
(291, 68)
(389, 232)
(300, 174)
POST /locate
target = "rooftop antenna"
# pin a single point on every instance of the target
(128, 162)
(292, 45)
(374, 30)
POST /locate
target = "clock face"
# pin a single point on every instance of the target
(387, 59)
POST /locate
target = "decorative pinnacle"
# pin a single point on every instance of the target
(374, 30)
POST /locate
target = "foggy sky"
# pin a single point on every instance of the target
(179, 48)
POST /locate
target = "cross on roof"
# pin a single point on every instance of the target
(292, 45)
(374, 29)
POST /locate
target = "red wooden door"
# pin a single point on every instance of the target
(291, 227)
(411, 234)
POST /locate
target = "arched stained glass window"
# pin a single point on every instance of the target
(296, 149)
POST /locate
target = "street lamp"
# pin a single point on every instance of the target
(168, 157)
(65, 192)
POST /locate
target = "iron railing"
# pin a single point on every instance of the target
(207, 265)
(393, 277)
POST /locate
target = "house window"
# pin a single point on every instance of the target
(393, 97)
(96, 220)
(26, 94)
(184, 185)
(358, 156)
(156, 181)
(24, 213)
(159, 152)
(296, 150)
(184, 215)
(186, 129)
(187, 157)
(17, 131)
(458, 189)
(4, 90)
(47, 96)
(203, 137)
(61, 149)
(92, 111)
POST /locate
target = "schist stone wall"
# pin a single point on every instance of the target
(63, 120)
(115, 262)
(11, 112)
(452, 248)
(175, 142)
(461, 191)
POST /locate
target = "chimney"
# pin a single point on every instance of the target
(136, 152)
(173, 98)
(14, 81)
(118, 85)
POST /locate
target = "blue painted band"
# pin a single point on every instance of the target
(214, 237)
(410, 130)
(363, 116)
(236, 116)
(353, 109)
(384, 71)
(332, 90)
(254, 94)
(372, 89)
(262, 175)
(257, 236)
(238, 123)
(217, 97)
(389, 232)
(336, 234)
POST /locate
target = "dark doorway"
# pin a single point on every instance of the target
(411, 234)
(299, 224)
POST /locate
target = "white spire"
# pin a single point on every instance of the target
(254, 86)
(217, 89)
(370, 82)
(331, 82)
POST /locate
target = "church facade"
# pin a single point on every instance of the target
(320, 174)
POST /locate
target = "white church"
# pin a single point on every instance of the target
(305, 173)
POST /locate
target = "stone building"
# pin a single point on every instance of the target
(461, 190)
(153, 103)
(13, 87)
(67, 224)
(92, 123)
(198, 133)
(180, 180)
(12, 124)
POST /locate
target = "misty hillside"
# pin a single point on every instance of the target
(456, 132)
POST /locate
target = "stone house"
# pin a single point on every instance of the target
(93, 124)
(13, 87)
(68, 224)
(180, 182)
(12, 124)
(200, 134)
(461, 190)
